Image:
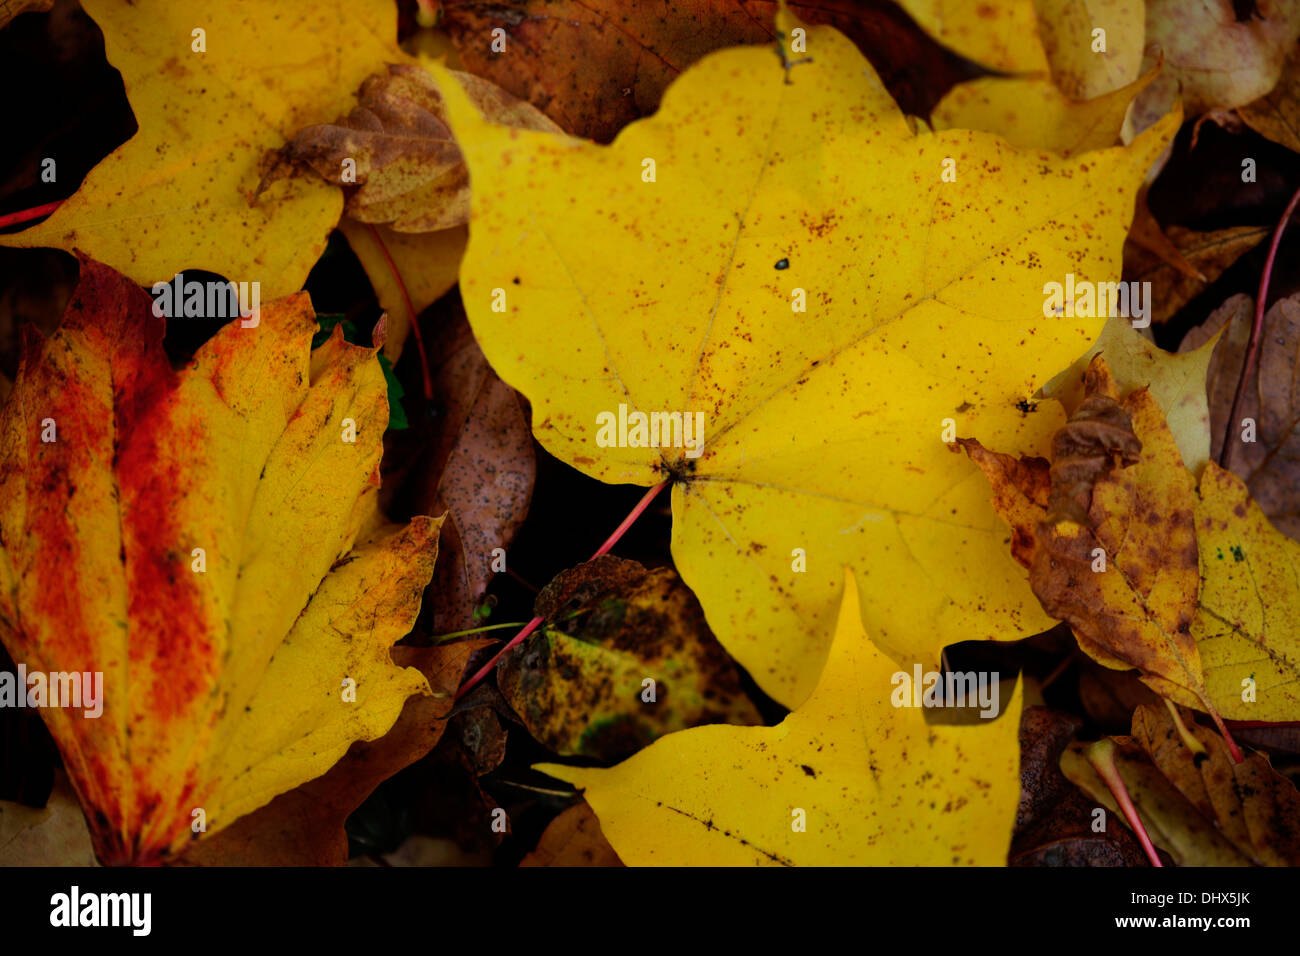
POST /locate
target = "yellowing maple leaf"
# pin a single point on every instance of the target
(998, 34)
(208, 541)
(180, 192)
(797, 272)
(848, 778)
(1077, 98)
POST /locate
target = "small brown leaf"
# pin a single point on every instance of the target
(1054, 820)
(1208, 253)
(1270, 465)
(395, 154)
(1097, 439)
(479, 469)
(573, 839)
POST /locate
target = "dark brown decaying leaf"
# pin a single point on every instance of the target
(1097, 439)
(304, 827)
(595, 65)
(1054, 822)
(582, 686)
(453, 803)
(11, 8)
(1270, 465)
(1109, 697)
(479, 468)
(1195, 803)
(576, 588)
(408, 171)
(573, 839)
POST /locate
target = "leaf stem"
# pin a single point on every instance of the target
(536, 622)
(410, 310)
(27, 215)
(1256, 333)
(1102, 757)
(1233, 750)
(475, 630)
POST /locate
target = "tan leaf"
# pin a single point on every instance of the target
(397, 150)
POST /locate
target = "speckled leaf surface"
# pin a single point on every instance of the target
(822, 428)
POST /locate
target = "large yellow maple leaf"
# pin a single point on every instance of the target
(180, 193)
(779, 251)
(848, 778)
(208, 541)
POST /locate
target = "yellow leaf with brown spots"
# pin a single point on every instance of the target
(849, 778)
(999, 35)
(593, 287)
(179, 194)
(1033, 113)
(208, 541)
(1191, 585)
(1080, 102)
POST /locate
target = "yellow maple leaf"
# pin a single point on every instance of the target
(208, 542)
(180, 193)
(1000, 35)
(777, 255)
(849, 778)
(1076, 100)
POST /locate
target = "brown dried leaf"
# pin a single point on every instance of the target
(596, 65)
(573, 839)
(1209, 253)
(409, 172)
(11, 8)
(1195, 803)
(479, 469)
(1131, 498)
(1054, 820)
(1097, 439)
(1277, 115)
(1212, 59)
(1270, 465)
